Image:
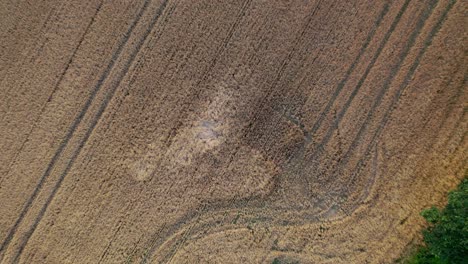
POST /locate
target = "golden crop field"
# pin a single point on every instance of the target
(246, 131)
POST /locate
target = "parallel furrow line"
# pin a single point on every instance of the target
(339, 117)
(350, 70)
(396, 96)
(98, 115)
(54, 90)
(58, 152)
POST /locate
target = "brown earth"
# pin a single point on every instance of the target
(176, 131)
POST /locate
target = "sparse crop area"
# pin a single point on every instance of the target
(178, 131)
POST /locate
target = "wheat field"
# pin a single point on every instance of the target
(178, 131)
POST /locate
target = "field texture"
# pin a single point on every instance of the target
(183, 131)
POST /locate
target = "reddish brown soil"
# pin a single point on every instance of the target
(176, 131)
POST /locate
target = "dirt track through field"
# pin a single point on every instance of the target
(174, 131)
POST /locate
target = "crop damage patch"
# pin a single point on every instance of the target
(198, 151)
(247, 131)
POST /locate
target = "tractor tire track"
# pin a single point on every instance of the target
(297, 157)
(339, 117)
(72, 129)
(56, 86)
(219, 52)
(388, 81)
(41, 181)
(98, 115)
(133, 75)
(372, 178)
(395, 98)
(112, 240)
(222, 220)
(204, 219)
(309, 133)
(350, 70)
(236, 205)
(263, 103)
(364, 197)
(278, 77)
(149, 251)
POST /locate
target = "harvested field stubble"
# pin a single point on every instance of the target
(173, 131)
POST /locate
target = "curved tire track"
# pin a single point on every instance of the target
(192, 217)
